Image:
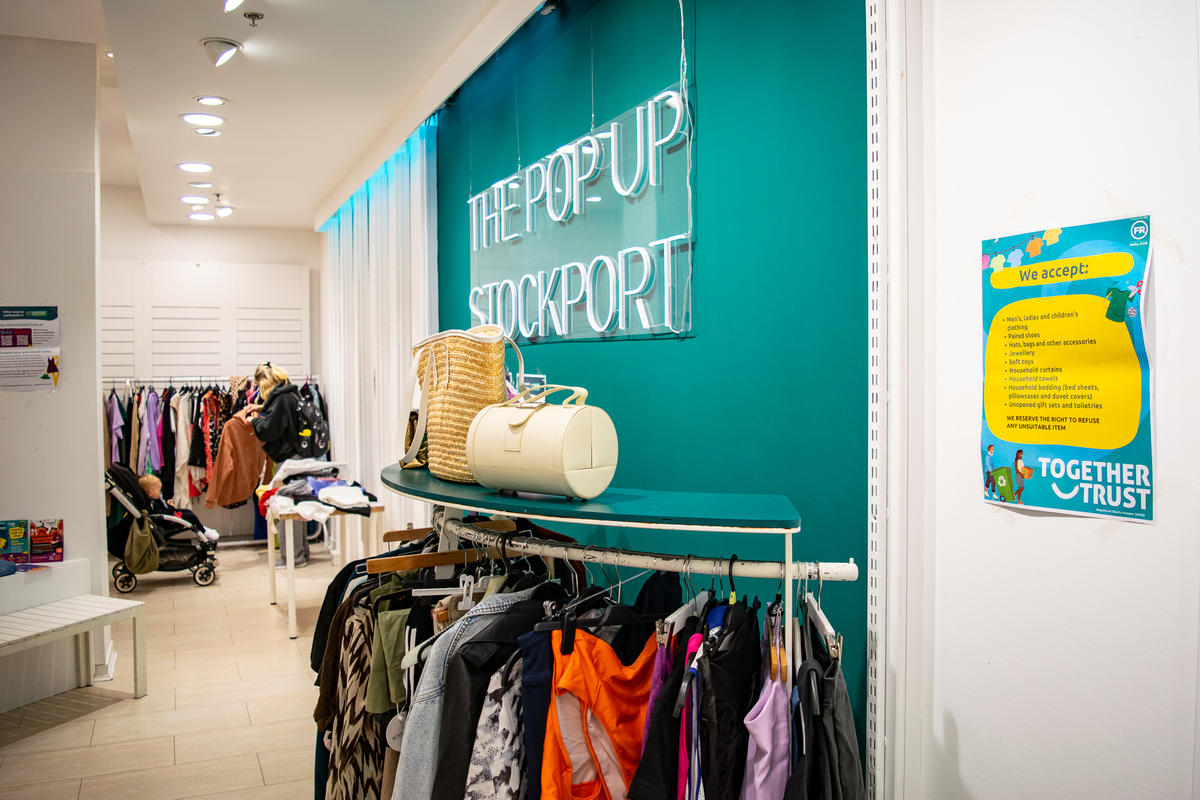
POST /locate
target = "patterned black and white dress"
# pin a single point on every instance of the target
(498, 757)
(356, 742)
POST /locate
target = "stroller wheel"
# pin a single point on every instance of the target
(126, 582)
(204, 575)
(118, 568)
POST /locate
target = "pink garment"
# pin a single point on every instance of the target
(684, 728)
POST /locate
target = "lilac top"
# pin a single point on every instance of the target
(768, 753)
(116, 426)
(150, 448)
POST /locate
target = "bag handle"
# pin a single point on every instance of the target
(520, 386)
(578, 394)
(422, 415)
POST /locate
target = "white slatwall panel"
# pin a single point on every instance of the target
(164, 319)
(185, 340)
(116, 339)
(270, 334)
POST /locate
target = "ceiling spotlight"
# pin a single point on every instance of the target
(224, 211)
(108, 53)
(206, 131)
(194, 199)
(220, 50)
(231, 5)
(200, 185)
(211, 100)
(195, 166)
(201, 216)
(202, 119)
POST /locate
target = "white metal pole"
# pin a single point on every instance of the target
(528, 545)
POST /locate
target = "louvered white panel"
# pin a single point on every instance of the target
(270, 334)
(116, 337)
(168, 319)
(185, 340)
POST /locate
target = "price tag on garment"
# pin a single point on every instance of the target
(395, 732)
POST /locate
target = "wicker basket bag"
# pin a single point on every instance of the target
(460, 372)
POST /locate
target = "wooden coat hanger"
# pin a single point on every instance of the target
(449, 558)
(416, 534)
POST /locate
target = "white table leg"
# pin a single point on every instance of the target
(272, 529)
(364, 533)
(290, 558)
(84, 657)
(377, 519)
(139, 654)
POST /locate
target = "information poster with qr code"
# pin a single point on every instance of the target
(1067, 412)
(30, 348)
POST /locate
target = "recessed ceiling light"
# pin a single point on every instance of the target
(200, 185)
(206, 131)
(201, 216)
(231, 5)
(195, 166)
(220, 50)
(108, 53)
(224, 211)
(194, 199)
(202, 119)
(211, 100)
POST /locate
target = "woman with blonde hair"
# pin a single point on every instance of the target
(276, 421)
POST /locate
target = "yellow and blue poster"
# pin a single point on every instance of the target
(1067, 423)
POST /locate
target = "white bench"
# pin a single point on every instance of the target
(77, 616)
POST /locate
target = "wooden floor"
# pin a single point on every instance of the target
(229, 713)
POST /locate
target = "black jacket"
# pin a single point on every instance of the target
(279, 424)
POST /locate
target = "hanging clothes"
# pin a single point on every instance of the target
(181, 405)
(116, 426)
(238, 466)
(167, 443)
(594, 729)
(135, 416)
(492, 707)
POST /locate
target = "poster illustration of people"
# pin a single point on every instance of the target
(1067, 415)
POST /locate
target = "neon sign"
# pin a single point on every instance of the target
(594, 240)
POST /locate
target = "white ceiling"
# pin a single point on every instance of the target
(316, 86)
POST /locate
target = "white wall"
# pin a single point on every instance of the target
(52, 464)
(125, 233)
(1063, 652)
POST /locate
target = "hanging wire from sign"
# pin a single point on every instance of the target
(691, 129)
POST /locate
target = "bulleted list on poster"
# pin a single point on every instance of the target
(30, 348)
(1066, 410)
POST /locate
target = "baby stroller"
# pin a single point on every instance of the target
(183, 541)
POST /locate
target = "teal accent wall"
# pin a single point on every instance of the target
(770, 393)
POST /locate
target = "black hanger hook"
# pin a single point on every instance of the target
(732, 589)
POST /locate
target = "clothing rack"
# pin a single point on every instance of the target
(617, 557)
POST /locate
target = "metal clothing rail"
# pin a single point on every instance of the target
(529, 545)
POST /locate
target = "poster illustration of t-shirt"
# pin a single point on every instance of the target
(1066, 375)
(30, 347)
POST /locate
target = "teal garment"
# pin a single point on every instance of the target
(385, 686)
(1118, 302)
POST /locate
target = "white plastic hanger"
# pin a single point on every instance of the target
(833, 641)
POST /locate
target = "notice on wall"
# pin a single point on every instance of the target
(30, 348)
(1066, 375)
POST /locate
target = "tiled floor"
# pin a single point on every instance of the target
(228, 715)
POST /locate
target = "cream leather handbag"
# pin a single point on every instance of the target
(527, 446)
